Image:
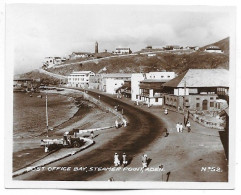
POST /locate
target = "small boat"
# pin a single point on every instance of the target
(60, 89)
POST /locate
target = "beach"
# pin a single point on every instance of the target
(66, 110)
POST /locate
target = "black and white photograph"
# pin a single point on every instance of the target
(120, 96)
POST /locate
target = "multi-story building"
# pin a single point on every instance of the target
(146, 87)
(80, 79)
(198, 89)
(110, 83)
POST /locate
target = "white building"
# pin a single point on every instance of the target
(52, 61)
(146, 87)
(213, 49)
(80, 79)
(122, 51)
(111, 82)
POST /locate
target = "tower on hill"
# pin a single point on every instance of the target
(96, 47)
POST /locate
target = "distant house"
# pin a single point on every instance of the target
(122, 51)
(198, 90)
(80, 79)
(172, 47)
(77, 55)
(213, 49)
(151, 54)
(52, 61)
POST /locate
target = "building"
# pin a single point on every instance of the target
(78, 55)
(22, 84)
(94, 81)
(80, 79)
(96, 47)
(52, 61)
(213, 49)
(122, 51)
(110, 83)
(147, 87)
(198, 89)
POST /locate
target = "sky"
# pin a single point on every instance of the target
(35, 31)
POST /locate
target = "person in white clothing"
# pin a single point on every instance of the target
(181, 128)
(116, 160)
(116, 124)
(188, 126)
(178, 127)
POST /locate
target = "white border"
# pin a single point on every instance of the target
(124, 185)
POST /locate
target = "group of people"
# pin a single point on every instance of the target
(117, 124)
(179, 127)
(117, 160)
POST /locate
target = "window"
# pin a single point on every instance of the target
(136, 96)
(197, 105)
(187, 100)
(168, 76)
(156, 99)
(197, 98)
(211, 104)
(162, 76)
(211, 98)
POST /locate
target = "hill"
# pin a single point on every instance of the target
(176, 61)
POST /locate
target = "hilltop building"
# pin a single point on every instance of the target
(52, 61)
(80, 79)
(122, 51)
(198, 89)
(147, 87)
(213, 49)
(78, 55)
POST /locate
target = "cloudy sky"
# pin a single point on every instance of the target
(35, 31)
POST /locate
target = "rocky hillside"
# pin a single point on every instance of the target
(170, 61)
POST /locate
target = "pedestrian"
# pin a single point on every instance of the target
(99, 97)
(165, 111)
(178, 127)
(116, 160)
(92, 135)
(124, 159)
(46, 148)
(116, 124)
(188, 126)
(137, 103)
(181, 128)
(166, 131)
(144, 160)
(124, 122)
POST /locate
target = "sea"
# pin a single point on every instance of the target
(29, 113)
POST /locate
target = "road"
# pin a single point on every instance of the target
(144, 128)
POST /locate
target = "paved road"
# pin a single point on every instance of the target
(144, 128)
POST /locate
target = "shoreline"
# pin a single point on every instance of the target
(29, 149)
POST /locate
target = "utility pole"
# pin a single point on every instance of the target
(47, 122)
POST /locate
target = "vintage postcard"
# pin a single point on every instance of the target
(120, 96)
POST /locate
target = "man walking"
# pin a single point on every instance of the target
(181, 128)
(116, 124)
(188, 126)
(144, 161)
(177, 127)
(116, 160)
(124, 162)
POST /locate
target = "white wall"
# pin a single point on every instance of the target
(112, 85)
(135, 81)
(181, 91)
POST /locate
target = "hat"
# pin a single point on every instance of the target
(115, 153)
